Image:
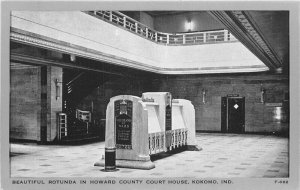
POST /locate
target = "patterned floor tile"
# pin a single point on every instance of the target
(269, 176)
(200, 171)
(246, 164)
(23, 169)
(159, 174)
(240, 168)
(168, 168)
(232, 173)
(49, 172)
(45, 165)
(223, 155)
(206, 166)
(126, 171)
(272, 170)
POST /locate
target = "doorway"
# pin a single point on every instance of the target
(233, 114)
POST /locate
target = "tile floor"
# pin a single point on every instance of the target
(223, 155)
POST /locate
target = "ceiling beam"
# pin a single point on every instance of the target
(243, 27)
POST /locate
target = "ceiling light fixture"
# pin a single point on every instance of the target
(189, 25)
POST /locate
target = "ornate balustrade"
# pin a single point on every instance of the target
(190, 38)
(157, 141)
(179, 138)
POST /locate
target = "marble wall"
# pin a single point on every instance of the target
(25, 102)
(258, 116)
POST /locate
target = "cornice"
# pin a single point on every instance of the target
(29, 38)
(51, 44)
(248, 23)
(244, 28)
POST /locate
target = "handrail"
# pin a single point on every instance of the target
(190, 38)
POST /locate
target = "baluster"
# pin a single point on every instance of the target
(178, 140)
(168, 38)
(164, 141)
(183, 139)
(150, 143)
(161, 142)
(179, 137)
(174, 144)
(171, 144)
(158, 142)
(170, 148)
(155, 143)
(175, 138)
(225, 35)
(110, 16)
(186, 137)
(204, 37)
(157, 139)
(182, 134)
(136, 27)
(124, 22)
(173, 135)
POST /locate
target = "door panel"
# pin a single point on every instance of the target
(224, 114)
(236, 115)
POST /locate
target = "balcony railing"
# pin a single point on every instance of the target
(190, 38)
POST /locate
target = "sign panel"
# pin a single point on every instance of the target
(168, 117)
(168, 112)
(232, 95)
(274, 104)
(123, 124)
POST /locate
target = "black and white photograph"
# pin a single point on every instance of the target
(178, 96)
